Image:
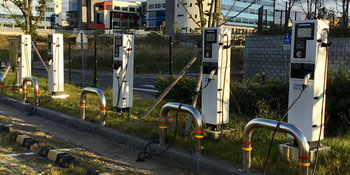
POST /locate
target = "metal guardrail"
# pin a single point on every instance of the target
(89, 90)
(184, 108)
(2, 84)
(304, 150)
(25, 90)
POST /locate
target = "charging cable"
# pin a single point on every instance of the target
(147, 155)
(326, 45)
(124, 74)
(304, 86)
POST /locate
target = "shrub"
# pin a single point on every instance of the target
(183, 91)
(271, 100)
(338, 101)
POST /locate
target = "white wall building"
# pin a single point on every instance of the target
(58, 12)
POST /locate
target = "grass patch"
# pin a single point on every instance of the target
(228, 148)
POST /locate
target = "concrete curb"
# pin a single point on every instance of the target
(199, 165)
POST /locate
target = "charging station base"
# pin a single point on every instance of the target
(60, 96)
(215, 134)
(291, 152)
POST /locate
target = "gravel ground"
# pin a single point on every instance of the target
(89, 151)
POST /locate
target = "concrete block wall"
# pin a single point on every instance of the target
(267, 54)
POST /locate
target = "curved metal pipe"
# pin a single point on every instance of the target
(304, 150)
(25, 90)
(2, 83)
(184, 108)
(99, 92)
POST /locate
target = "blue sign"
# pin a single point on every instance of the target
(287, 39)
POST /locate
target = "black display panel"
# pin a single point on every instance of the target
(299, 70)
(210, 66)
(117, 65)
(210, 37)
(305, 31)
(118, 41)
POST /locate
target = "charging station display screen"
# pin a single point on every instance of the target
(304, 32)
(210, 37)
(118, 41)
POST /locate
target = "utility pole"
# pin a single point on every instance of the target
(70, 62)
(286, 19)
(95, 73)
(265, 19)
(274, 13)
(171, 61)
(281, 19)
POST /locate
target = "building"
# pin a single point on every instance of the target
(155, 14)
(178, 20)
(51, 19)
(58, 13)
(248, 19)
(102, 14)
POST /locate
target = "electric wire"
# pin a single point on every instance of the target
(277, 126)
(322, 108)
(147, 155)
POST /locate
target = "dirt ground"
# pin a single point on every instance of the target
(90, 152)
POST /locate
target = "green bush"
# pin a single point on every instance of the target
(183, 91)
(338, 102)
(271, 100)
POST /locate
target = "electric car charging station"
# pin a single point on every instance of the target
(24, 58)
(14, 53)
(216, 76)
(56, 65)
(307, 82)
(123, 71)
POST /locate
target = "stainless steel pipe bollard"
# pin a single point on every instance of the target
(304, 150)
(184, 108)
(2, 84)
(25, 90)
(103, 111)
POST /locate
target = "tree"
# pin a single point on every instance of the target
(28, 22)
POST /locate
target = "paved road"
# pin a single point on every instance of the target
(143, 83)
(119, 157)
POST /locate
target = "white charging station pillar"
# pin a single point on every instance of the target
(56, 63)
(123, 71)
(25, 58)
(308, 56)
(216, 75)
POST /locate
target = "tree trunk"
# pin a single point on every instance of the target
(27, 18)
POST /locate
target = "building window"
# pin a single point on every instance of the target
(190, 4)
(180, 15)
(132, 9)
(116, 8)
(195, 16)
(124, 8)
(158, 6)
(164, 5)
(177, 5)
(151, 6)
(109, 7)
